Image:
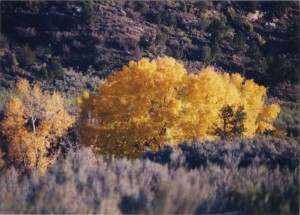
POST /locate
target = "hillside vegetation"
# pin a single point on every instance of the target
(257, 39)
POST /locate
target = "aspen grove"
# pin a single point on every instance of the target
(149, 104)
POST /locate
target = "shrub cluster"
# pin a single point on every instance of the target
(26, 56)
(289, 118)
(85, 183)
(54, 70)
(281, 69)
(75, 82)
(88, 14)
(261, 151)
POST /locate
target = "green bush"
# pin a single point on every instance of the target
(53, 71)
(238, 41)
(254, 52)
(216, 37)
(106, 65)
(218, 27)
(289, 118)
(161, 38)
(201, 6)
(142, 7)
(88, 12)
(215, 51)
(281, 69)
(183, 7)
(232, 123)
(205, 53)
(177, 53)
(166, 18)
(243, 23)
(5, 94)
(25, 56)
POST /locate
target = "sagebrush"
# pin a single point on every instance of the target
(184, 181)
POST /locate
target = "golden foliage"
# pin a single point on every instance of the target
(278, 132)
(33, 122)
(2, 163)
(152, 103)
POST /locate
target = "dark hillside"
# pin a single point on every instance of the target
(100, 37)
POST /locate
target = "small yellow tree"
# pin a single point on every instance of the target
(152, 103)
(33, 121)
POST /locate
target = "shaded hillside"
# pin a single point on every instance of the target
(97, 38)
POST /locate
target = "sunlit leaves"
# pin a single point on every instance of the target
(33, 122)
(152, 103)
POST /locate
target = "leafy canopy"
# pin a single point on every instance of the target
(33, 121)
(152, 103)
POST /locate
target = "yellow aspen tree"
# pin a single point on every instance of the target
(135, 108)
(153, 103)
(33, 121)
